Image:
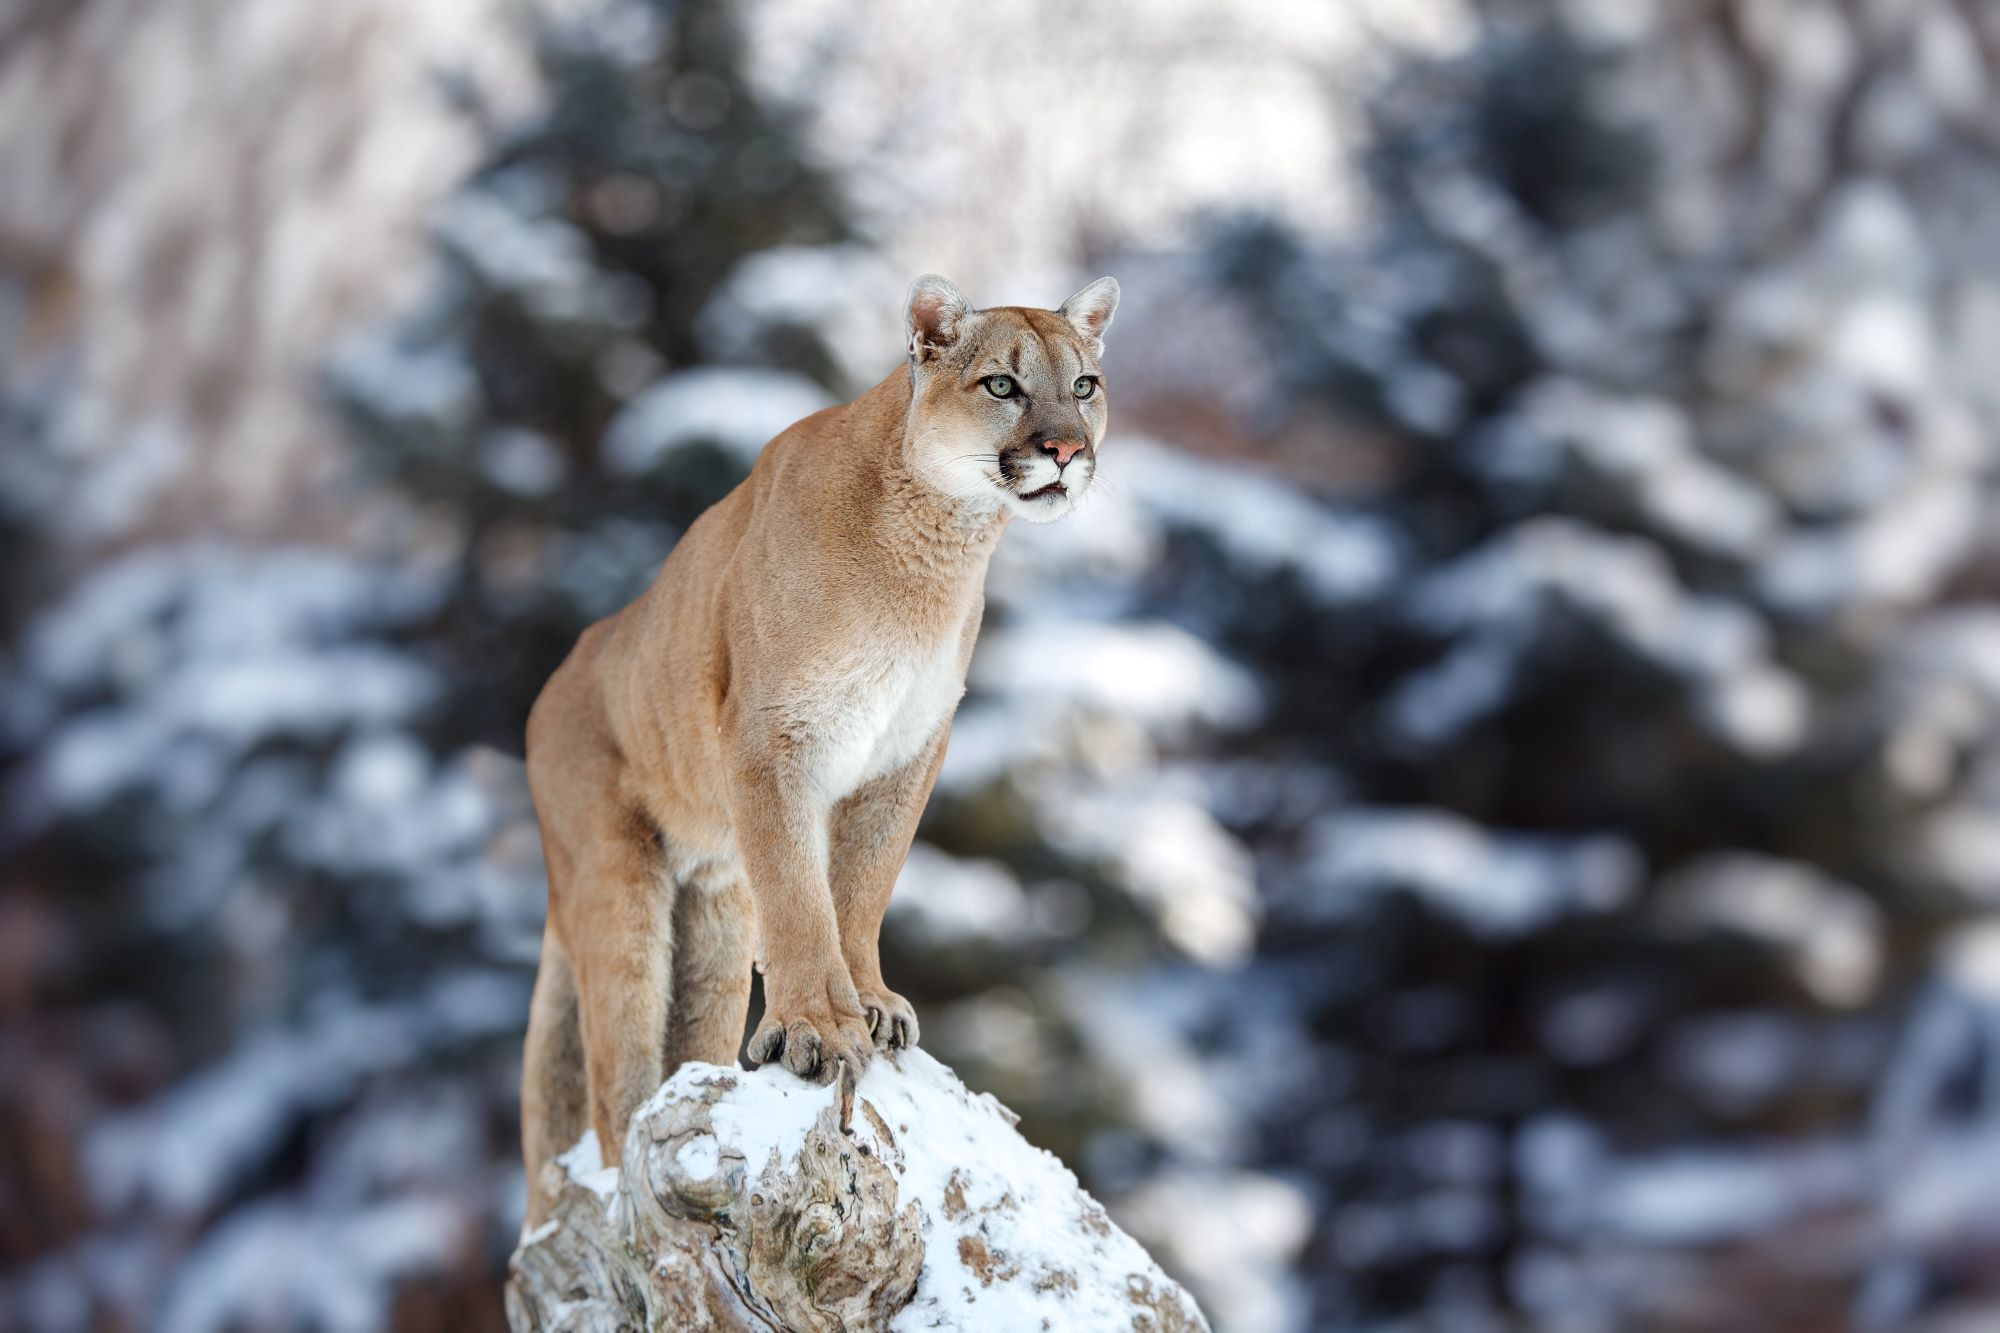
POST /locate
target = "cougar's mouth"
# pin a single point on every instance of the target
(1048, 492)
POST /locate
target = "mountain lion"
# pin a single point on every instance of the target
(735, 762)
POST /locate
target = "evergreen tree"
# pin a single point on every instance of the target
(1661, 351)
(286, 892)
(578, 263)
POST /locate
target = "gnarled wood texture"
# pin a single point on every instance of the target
(756, 1201)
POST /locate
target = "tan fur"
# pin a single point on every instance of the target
(738, 759)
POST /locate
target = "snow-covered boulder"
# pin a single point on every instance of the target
(901, 1201)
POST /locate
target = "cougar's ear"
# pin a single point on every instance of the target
(936, 313)
(1090, 310)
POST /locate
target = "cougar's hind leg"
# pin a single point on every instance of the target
(610, 910)
(715, 933)
(619, 939)
(554, 1097)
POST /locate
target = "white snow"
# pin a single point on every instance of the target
(849, 294)
(1151, 1034)
(736, 408)
(410, 386)
(1897, 555)
(1238, 1234)
(1493, 601)
(526, 462)
(1169, 853)
(944, 899)
(1697, 1196)
(1256, 521)
(1648, 448)
(584, 1162)
(542, 261)
(700, 1157)
(209, 646)
(1157, 675)
(989, 1198)
(1498, 884)
(302, 1265)
(1577, 1189)
(1831, 932)
(185, 1149)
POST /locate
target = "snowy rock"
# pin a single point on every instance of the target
(902, 1201)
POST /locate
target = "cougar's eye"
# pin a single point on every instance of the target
(1000, 386)
(1084, 386)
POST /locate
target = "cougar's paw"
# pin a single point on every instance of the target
(809, 1044)
(890, 1019)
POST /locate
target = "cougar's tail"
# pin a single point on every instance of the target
(554, 1094)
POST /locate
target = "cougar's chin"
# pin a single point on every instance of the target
(1045, 504)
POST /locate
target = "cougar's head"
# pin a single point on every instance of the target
(1008, 404)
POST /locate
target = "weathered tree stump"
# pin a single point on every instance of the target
(757, 1201)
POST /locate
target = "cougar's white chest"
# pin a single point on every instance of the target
(873, 712)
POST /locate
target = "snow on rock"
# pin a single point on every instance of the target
(902, 1201)
(584, 1164)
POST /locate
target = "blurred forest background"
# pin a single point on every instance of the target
(1515, 840)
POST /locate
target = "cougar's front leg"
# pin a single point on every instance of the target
(811, 1013)
(871, 832)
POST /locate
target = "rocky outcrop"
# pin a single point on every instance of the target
(753, 1200)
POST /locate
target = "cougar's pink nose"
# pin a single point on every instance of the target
(1062, 449)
